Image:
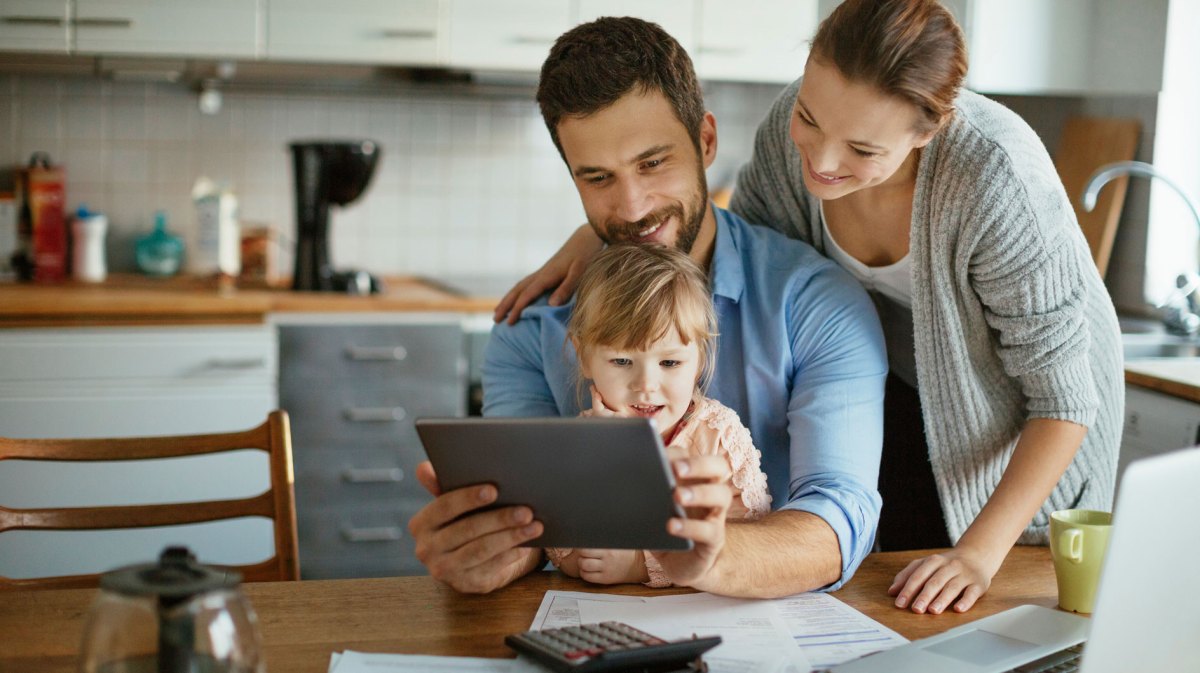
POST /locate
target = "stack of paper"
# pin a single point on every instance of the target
(790, 635)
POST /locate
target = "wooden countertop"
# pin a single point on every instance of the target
(128, 299)
(1179, 377)
(303, 622)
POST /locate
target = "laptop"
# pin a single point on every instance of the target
(1147, 612)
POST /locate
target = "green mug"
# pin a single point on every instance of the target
(1078, 540)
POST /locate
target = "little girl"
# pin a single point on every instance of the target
(644, 332)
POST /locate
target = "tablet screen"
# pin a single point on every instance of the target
(601, 483)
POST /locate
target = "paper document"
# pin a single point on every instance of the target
(831, 632)
(364, 662)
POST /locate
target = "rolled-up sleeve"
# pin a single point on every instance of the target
(514, 378)
(835, 413)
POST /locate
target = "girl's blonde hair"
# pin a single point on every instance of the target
(633, 295)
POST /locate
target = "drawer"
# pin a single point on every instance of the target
(344, 414)
(342, 542)
(357, 474)
(371, 353)
(218, 355)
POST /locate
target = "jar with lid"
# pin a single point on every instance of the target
(174, 616)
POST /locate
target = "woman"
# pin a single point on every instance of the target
(1001, 337)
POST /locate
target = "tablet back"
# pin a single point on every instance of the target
(599, 483)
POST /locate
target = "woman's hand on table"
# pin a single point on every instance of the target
(561, 271)
(934, 583)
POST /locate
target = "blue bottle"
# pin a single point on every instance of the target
(160, 252)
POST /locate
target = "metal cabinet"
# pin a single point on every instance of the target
(353, 391)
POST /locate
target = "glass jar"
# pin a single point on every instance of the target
(175, 616)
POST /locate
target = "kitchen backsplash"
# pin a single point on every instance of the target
(467, 184)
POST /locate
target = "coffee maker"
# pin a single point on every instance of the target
(328, 173)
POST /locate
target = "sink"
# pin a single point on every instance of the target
(1143, 346)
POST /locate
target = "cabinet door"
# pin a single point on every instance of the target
(513, 35)
(1156, 423)
(366, 31)
(677, 17)
(33, 25)
(228, 28)
(768, 44)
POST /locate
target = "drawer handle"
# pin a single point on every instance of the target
(375, 414)
(373, 475)
(237, 363)
(104, 23)
(408, 34)
(377, 353)
(377, 534)
(34, 20)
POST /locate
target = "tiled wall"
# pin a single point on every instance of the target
(465, 184)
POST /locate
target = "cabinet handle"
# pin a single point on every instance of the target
(531, 40)
(408, 34)
(720, 51)
(33, 20)
(373, 475)
(377, 353)
(376, 534)
(104, 23)
(236, 363)
(375, 414)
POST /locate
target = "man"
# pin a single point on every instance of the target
(800, 353)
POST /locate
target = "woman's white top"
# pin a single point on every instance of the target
(891, 288)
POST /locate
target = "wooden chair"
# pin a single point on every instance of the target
(277, 503)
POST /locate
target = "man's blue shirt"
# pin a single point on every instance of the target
(800, 358)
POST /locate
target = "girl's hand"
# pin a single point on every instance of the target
(704, 492)
(932, 583)
(599, 408)
(563, 270)
(612, 566)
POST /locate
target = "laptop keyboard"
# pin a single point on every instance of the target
(1062, 661)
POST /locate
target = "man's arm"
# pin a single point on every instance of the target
(785, 553)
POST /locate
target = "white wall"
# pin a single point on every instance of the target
(466, 185)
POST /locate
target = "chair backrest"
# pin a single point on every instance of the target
(277, 503)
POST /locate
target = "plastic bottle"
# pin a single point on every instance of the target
(215, 247)
(87, 235)
(160, 252)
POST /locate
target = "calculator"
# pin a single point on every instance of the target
(610, 646)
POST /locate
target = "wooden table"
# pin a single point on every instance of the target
(303, 622)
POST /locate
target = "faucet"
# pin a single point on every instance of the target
(1181, 309)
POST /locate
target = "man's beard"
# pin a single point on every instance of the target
(690, 220)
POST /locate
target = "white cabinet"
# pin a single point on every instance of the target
(1064, 46)
(113, 382)
(354, 31)
(1156, 423)
(768, 44)
(33, 25)
(511, 35)
(677, 17)
(217, 28)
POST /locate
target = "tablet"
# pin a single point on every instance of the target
(601, 483)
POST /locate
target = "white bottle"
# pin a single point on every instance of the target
(88, 230)
(215, 246)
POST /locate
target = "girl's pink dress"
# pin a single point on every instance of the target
(712, 429)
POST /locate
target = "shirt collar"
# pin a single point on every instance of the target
(727, 272)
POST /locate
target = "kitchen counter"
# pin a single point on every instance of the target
(128, 299)
(1179, 377)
